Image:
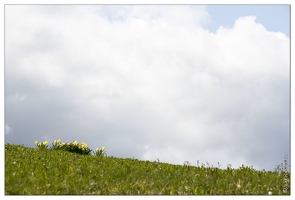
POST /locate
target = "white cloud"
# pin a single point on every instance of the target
(148, 82)
(19, 97)
(8, 129)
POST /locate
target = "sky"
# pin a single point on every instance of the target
(225, 15)
(175, 83)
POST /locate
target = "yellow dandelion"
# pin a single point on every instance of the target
(45, 143)
(58, 141)
(75, 143)
(103, 148)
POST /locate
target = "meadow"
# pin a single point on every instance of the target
(74, 170)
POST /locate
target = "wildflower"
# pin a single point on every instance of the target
(96, 149)
(45, 143)
(54, 141)
(75, 143)
(269, 193)
(36, 142)
(103, 148)
(84, 144)
(58, 141)
(239, 184)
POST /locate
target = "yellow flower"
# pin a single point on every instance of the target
(96, 149)
(36, 142)
(45, 143)
(83, 144)
(62, 144)
(75, 143)
(103, 148)
(58, 141)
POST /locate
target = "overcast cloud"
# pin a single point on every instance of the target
(148, 82)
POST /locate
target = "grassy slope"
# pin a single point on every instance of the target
(37, 171)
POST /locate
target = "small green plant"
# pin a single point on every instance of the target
(43, 145)
(57, 144)
(100, 152)
(73, 147)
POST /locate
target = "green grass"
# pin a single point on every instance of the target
(37, 171)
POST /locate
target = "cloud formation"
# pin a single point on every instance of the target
(148, 82)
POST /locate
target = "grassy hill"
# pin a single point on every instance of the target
(39, 171)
